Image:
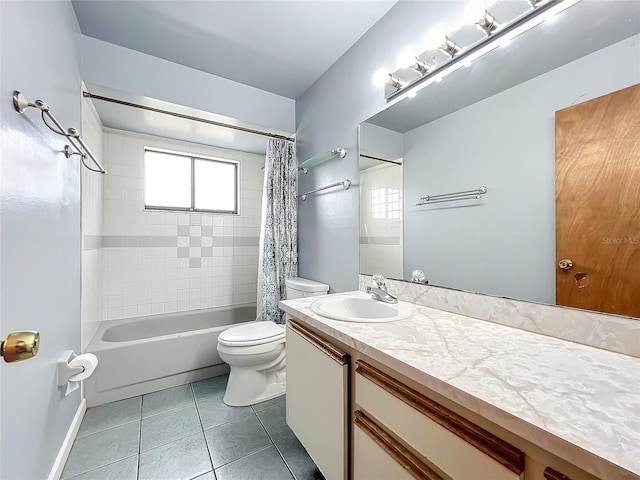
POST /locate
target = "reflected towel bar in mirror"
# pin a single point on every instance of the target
(452, 197)
(78, 146)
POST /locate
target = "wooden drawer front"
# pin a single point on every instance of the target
(317, 382)
(458, 447)
(378, 456)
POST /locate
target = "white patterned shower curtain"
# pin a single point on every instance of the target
(278, 258)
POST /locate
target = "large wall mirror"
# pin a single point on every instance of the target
(552, 117)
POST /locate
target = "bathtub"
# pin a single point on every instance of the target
(145, 354)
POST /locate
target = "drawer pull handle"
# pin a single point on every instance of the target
(551, 474)
(399, 453)
(339, 356)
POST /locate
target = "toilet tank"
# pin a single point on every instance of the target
(301, 287)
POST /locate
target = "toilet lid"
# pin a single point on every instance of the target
(254, 333)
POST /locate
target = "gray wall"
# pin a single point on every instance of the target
(40, 225)
(504, 244)
(327, 115)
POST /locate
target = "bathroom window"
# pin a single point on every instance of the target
(177, 181)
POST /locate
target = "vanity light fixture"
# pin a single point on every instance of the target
(477, 13)
(437, 39)
(496, 35)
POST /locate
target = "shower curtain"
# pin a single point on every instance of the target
(278, 258)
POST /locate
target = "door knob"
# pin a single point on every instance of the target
(20, 346)
(565, 264)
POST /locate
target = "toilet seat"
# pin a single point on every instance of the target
(254, 333)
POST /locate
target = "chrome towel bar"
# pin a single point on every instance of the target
(345, 184)
(78, 146)
(452, 197)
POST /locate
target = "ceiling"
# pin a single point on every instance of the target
(281, 47)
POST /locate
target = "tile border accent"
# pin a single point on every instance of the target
(93, 242)
(380, 240)
(608, 332)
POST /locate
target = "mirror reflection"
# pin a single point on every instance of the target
(557, 151)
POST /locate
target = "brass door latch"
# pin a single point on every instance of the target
(20, 346)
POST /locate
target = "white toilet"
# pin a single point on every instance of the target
(255, 353)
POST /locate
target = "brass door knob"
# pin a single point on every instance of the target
(565, 264)
(20, 346)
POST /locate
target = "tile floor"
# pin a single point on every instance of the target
(187, 432)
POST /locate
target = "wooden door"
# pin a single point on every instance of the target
(598, 203)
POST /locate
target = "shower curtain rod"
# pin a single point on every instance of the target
(186, 117)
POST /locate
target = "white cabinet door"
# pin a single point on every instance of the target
(317, 375)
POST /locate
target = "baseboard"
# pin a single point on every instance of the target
(63, 454)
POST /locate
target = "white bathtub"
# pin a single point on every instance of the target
(146, 354)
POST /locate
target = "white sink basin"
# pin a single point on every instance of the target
(360, 308)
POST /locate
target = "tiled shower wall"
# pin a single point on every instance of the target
(161, 261)
(92, 213)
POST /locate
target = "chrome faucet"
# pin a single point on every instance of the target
(379, 292)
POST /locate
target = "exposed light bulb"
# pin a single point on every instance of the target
(475, 12)
(436, 38)
(380, 76)
(407, 57)
(411, 94)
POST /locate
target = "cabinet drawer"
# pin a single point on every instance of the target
(378, 456)
(455, 445)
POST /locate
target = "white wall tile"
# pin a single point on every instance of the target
(140, 281)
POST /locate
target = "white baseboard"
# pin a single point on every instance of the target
(63, 454)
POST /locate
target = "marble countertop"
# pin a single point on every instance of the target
(577, 402)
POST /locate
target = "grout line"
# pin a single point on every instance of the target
(228, 421)
(285, 461)
(168, 411)
(106, 429)
(273, 444)
(96, 468)
(206, 443)
(244, 456)
(139, 440)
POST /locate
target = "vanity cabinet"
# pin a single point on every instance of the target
(360, 419)
(317, 399)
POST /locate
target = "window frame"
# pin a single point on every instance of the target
(193, 158)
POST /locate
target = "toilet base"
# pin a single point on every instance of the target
(247, 387)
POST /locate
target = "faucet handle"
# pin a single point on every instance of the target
(418, 276)
(378, 279)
